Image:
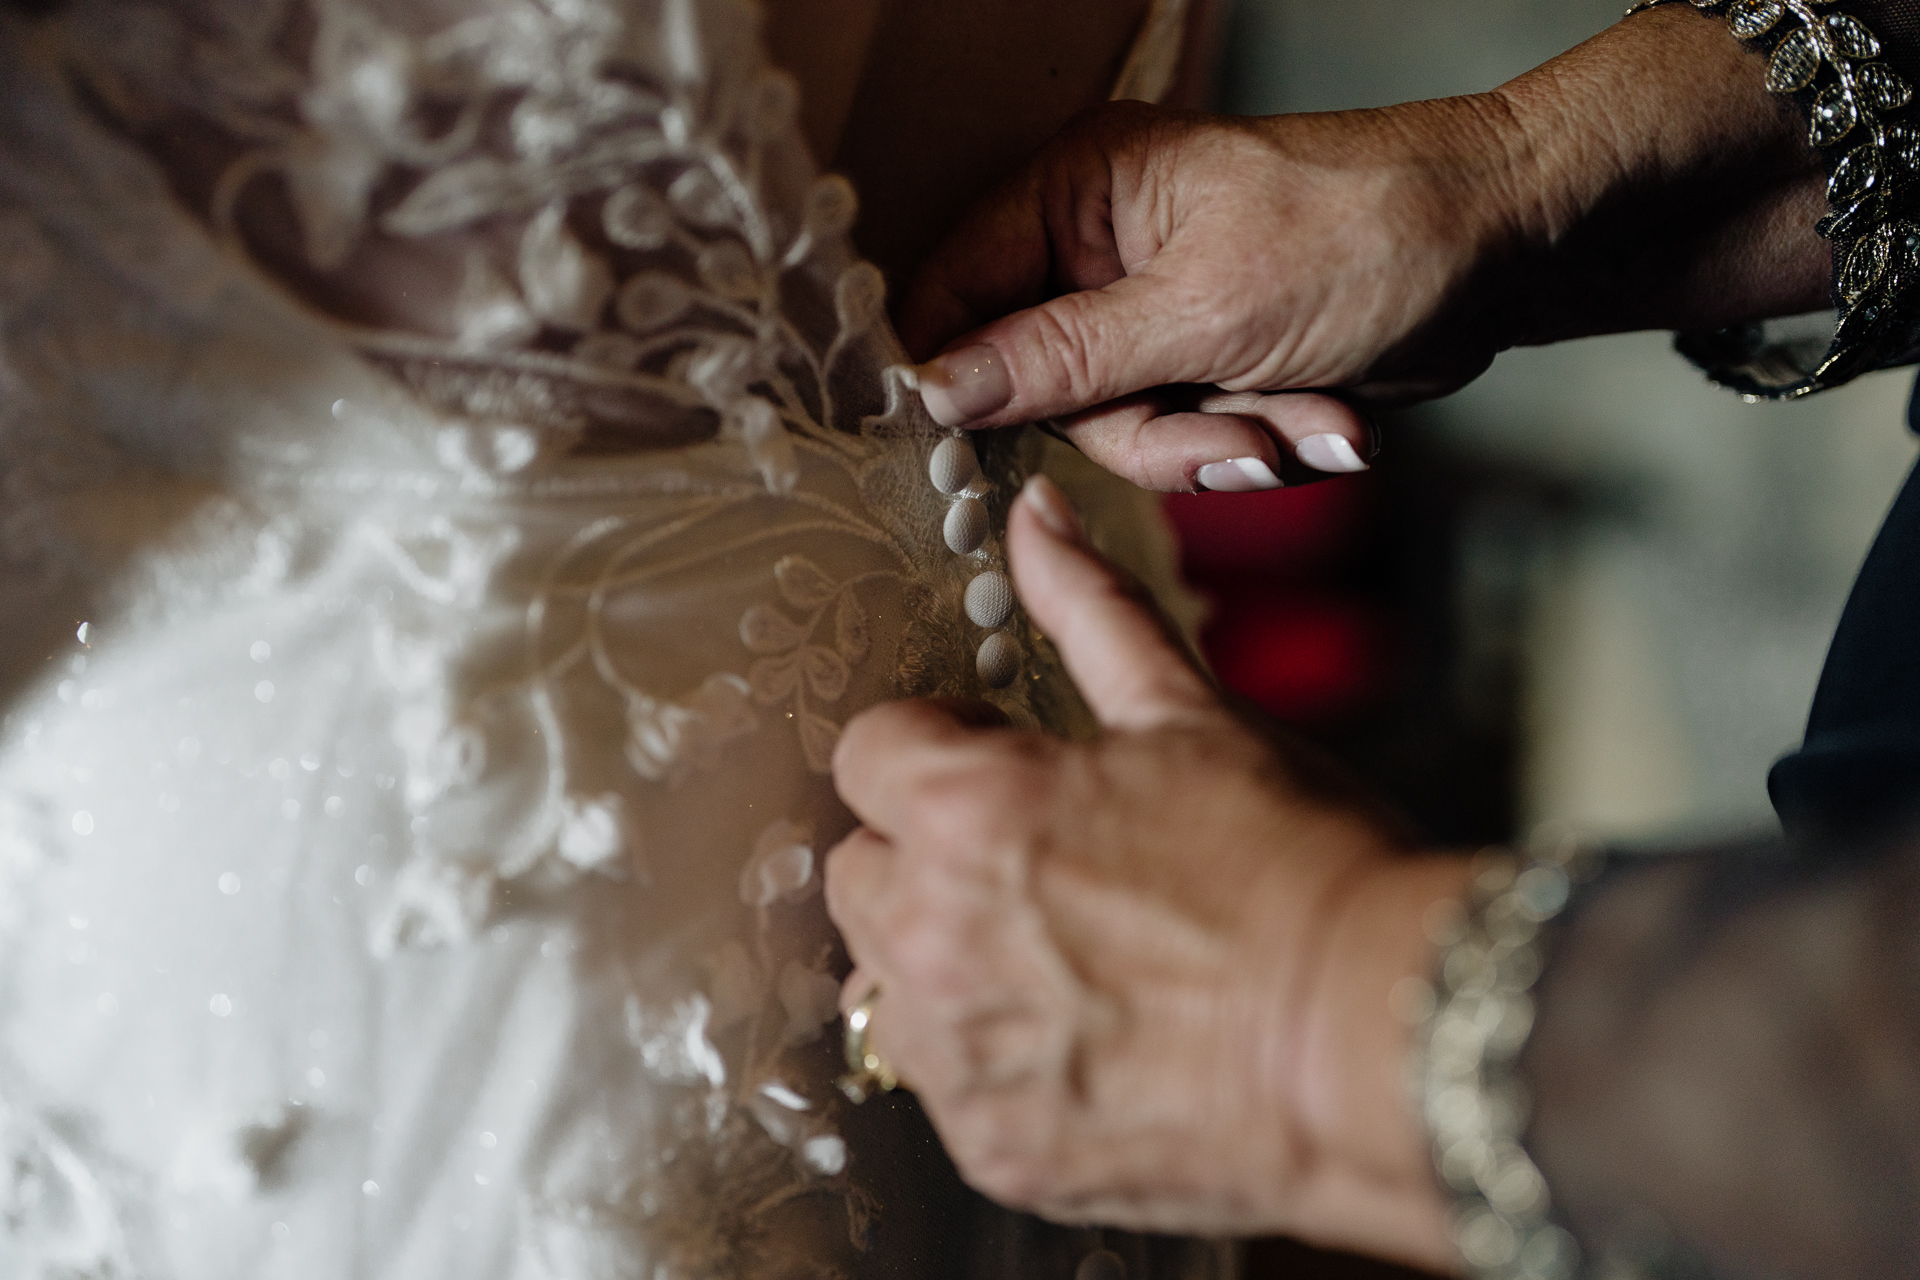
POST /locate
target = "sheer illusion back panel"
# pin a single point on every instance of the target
(485, 478)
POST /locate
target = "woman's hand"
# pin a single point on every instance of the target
(1176, 269)
(1142, 980)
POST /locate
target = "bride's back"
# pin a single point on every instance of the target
(467, 437)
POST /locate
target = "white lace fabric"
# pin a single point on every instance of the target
(411, 866)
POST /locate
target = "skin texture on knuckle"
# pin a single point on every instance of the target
(1068, 335)
(1134, 451)
(926, 947)
(862, 731)
(1006, 1147)
(962, 810)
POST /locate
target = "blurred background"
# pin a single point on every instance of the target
(1590, 587)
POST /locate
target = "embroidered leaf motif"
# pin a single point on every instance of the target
(850, 629)
(1857, 170)
(1866, 264)
(1903, 146)
(767, 630)
(1751, 19)
(775, 679)
(654, 733)
(329, 181)
(831, 207)
(810, 999)
(1834, 115)
(564, 284)
(734, 985)
(827, 673)
(652, 300)
(635, 218)
(721, 369)
(754, 422)
(781, 866)
(1905, 237)
(609, 350)
(543, 128)
(698, 197)
(1794, 62)
(803, 584)
(592, 834)
(858, 296)
(489, 311)
(726, 269)
(1850, 38)
(1883, 89)
(722, 700)
(451, 198)
(681, 35)
(666, 739)
(818, 737)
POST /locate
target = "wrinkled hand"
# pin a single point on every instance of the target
(1182, 286)
(1172, 259)
(1104, 967)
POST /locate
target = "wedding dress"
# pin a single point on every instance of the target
(414, 772)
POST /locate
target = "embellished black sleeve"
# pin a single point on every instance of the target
(1716, 1077)
(1852, 69)
(1725, 1071)
(1705, 1064)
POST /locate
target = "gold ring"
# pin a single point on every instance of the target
(868, 1072)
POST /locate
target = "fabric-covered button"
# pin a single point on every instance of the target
(966, 527)
(1101, 1264)
(954, 465)
(998, 661)
(990, 599)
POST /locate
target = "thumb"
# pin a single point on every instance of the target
(1076, 351)
(1129, 668)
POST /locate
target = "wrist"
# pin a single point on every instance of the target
(1654, 183)
(1370, 1184)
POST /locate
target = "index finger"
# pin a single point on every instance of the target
(886, 751)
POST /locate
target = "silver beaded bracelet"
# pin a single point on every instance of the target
(1478, 1017)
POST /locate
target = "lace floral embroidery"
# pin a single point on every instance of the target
(798, 666)
(645, 284)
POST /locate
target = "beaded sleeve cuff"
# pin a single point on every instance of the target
(1474, 1101)
(1827, 61)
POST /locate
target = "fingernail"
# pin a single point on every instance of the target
(1328, 452)
(964, 386)
(1051, 505)
(1237, 475)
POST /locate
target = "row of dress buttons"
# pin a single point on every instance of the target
(955, 472)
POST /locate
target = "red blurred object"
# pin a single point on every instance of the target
(1283, 533)
(1286, 631)
(1304, 657)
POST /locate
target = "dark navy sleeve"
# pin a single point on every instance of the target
(1858, 772)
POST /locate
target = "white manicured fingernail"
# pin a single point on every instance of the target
(1328, 452)
(1237, 475)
